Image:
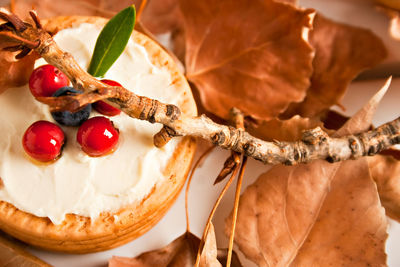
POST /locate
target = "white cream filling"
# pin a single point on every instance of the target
(77, 183)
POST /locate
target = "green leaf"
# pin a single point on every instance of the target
(112, 41)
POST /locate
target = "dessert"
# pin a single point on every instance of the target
(80, 203)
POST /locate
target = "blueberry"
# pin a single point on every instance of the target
(68, 118)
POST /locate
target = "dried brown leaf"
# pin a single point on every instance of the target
(351, 226)
(283, 130)
(223, 255)
(159, 16)
(394, 4)
(208, 256)
(15, 73)
(394, 27)
(249, 56)
(293, 2)
(315, 214)
(341, 52)
(181, 252)
(13, 255)
(48, 8)
(334, 120)
(276, 212)
(393, 152)
(394, 15)
(361, 121)
(385, 170)
(162, 16)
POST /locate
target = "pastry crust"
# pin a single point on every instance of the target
(78, 234)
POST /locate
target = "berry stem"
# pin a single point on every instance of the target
(315, 144)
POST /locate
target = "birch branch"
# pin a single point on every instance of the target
(315, 143)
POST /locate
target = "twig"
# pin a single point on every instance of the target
(315, 144)
(27, 43)
(235, 211)
(231, 165)
(238, 119)
(18, 24)
(12, 6)
(35, 19)
(214, 209)
(25, 51)
(13, 48)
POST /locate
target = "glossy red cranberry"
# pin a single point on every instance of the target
(97, 136)
(46, 80)
(104, 108)
(43, 141)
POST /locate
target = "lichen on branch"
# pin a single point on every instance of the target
(315, 143)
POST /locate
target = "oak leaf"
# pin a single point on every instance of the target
(341, 53)
(315, 214)
(247, 55)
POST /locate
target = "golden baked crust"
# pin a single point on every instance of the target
(78, 234)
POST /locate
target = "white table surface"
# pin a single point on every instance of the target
(203, 194)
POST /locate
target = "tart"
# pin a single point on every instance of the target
(77, 233)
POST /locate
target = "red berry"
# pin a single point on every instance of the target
(97, 136)
(104, 108)
(43, 141)
(46, 80)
